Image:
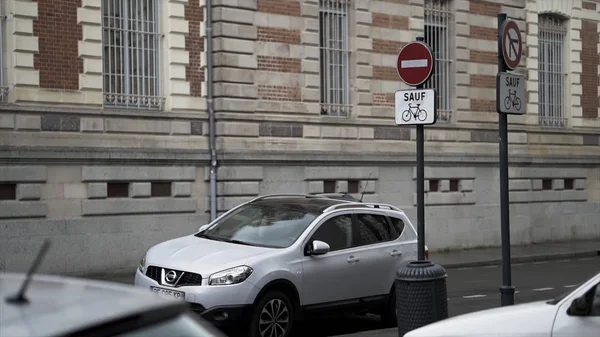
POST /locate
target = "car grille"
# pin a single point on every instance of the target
(153, 273)
(187, 279)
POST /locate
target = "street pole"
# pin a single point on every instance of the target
(420, 184)
(507, 291)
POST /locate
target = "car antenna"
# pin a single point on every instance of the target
(365, 189)
(20, 298)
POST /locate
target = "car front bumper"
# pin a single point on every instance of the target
(221, 305)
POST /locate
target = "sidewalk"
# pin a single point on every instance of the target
(467, 258)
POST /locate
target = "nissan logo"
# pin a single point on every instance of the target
(170, 276)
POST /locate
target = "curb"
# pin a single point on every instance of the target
(524, 259)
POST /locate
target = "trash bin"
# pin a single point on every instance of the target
(421, 295)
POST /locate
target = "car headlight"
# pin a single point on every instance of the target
(230, 276)
(142, 266)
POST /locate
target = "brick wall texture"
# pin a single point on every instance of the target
(588, 5)
(194, 44)
(484, 8)
(282, 7)
(589, 76)
(277, 64)
(279, 93)
(278, 35)
(58, 33)
(387, 46)
(389, 21)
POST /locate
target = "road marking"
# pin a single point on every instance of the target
(563, 261)
(414, 63)
(474, 296)
(541, 262)
(464, 268)
(543, 289)
(586, 258)
(516, 291)
(571, 286)
(489, 267)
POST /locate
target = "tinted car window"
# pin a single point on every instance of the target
(261, 225)
(181, 326)
(398, 225)
(372, 228)
(596, 301)
(336, 232)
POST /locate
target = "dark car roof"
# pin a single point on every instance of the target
(307, 205)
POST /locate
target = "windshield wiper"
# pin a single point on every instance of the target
(218, 238)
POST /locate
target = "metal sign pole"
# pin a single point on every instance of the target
(507, 291)
(418, 279)
(420, 184)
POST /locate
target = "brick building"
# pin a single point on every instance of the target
(105, 128)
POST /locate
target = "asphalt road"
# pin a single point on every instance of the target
(474, 289)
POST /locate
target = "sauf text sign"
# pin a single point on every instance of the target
(511, 93)
(415, 107)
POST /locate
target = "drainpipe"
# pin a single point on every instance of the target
(211, 112)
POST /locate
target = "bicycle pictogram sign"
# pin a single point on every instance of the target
(415, 107)
(415, 112)
(512, 101)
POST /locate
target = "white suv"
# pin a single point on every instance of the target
(279, 258)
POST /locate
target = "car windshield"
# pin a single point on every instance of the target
(262, 225)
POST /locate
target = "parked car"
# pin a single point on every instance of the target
(65, 306)
(276, 259)
(576, 313)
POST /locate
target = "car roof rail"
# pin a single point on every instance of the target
(362, 204)
(331, 194)
(276, 195)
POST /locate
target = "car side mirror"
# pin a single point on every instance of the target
(317, 248)
(203, 228)
(579, 307)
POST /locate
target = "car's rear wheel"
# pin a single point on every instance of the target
(273, 316)
(388, 313)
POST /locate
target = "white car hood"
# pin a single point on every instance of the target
(204, 256)
(531, 319)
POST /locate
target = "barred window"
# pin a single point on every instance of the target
(131, 54)
(3, 87)
(552, 71)
(333, 42)
(438, 18)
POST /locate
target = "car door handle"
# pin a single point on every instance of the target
(352, 259)
(395, 253)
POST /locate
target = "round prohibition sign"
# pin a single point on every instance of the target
(415, 63)
(512, 45)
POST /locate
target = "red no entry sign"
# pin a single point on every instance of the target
(512, 46)
(415, 63)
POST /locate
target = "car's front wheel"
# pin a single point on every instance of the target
(273, 316)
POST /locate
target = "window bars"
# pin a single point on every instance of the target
(131, 64)
(3, 88)
(438, 17)
(334, 50)
(551, 67)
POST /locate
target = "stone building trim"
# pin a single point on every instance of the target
(89, 16)
(22, 45)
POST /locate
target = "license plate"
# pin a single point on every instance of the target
(180, 295)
